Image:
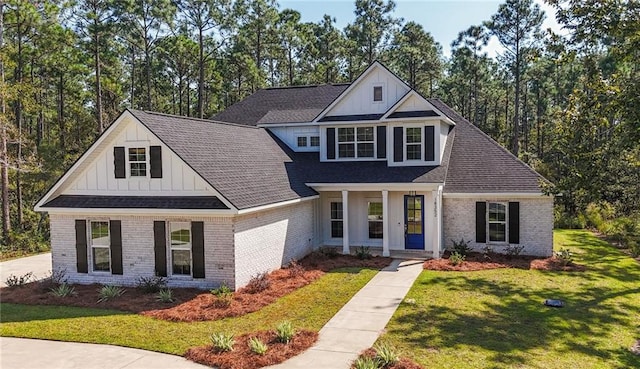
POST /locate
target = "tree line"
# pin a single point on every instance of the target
(568, 105)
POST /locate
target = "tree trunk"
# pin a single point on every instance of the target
(516, 109)
(61, 112)
(4, 156)
(200, 73)
(98, 70)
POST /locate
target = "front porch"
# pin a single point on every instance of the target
(394, 254)
(392, 220)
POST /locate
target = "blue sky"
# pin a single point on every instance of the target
(443, 19)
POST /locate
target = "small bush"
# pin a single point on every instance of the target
(461, 247)
(565, 256)
(257, 346)
(366, 362)
(487, 251)
(329, 252)
(108, 292)
(295, 269)
(222, 342)
(17, 281)
(258, 283)
(54, 279)
(513, 250)
(285, 332)
(363, 253)
(634, 247)
(223, 300)
(387, 355)
(63, 290)
(222, 290)
(456, 258)
(165, 295)
(151, 284)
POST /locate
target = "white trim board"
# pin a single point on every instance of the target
(495, 195)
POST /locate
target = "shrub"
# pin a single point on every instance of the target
(514, 250)
(223, 300)
(285, 332)
(54, 279)
(456, 258)
(165, 295)
(257, 346)
(108, 292)
(487, 251)
(222, 290)
(564, 220)
(634, 248)
(597, 214)
(387, 355)
(363, 253)
(151, 284)
(258, 283)
(461, 247)
(330, 252)
(16, 281)
(295, 269)
(222, 342)
(565, 256)
(366, 362)
(63, 290)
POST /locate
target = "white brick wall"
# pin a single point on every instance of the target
(536, 223)
(269, 239)
(137, 251)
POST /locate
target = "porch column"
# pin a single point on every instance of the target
(385, 223)
(345, 222)
(437, 203)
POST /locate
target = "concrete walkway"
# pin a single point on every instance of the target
(39, 265)
(18, 353)
(359, 323)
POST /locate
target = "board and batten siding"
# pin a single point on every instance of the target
(360, 99)
(97, 176)
(138, 259)
(289, 135)
(267, 240)
(536, 223)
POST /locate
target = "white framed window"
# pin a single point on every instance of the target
(378, 94)
(302, 141)
(413, 143)
(314, 141)
(374, 218)
(137, 161)
(100, 242)
(356, 142)
(180, 241)
(336, 220)
(497, 221)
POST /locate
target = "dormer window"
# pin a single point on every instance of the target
(377, 93)
(413, 143)
(302, 141)
(314, 141)
(138, 161)
(356, 142)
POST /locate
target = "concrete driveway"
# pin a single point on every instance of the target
(39, 265)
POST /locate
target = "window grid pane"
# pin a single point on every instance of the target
(100, 233)
(138, 162)
(101, 259)
(414, 135)
(314, 141)
(346, 150)
(302, 141)
(414, 152)
(181, 260)
(336, 229)
(345, 135)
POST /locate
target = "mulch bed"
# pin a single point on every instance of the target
(403, 363)
(243, 358)
(194, 304)
(478, 261)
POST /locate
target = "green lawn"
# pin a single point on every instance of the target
(496, 319)
(309, 307)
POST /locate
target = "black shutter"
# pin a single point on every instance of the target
(197, 248)
(155, 155)
(160, 247)
(115, 231)
(331, 143)
(81, 246)
(397, 144)
(514, 222)
(429, 143)
(118, 162)
(382, 142)
(481, 222)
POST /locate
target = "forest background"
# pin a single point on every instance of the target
(568, 105)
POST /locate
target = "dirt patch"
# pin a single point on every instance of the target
(403, 363)
(478, 261)
(243, 358)
(636, 348)
(194, 304)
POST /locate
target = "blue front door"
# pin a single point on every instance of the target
(414, 222)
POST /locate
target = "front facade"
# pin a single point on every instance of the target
(288, 170)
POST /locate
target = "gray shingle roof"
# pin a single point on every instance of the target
(242, 163)
(478, 164)
(286, 104)
(136, 202)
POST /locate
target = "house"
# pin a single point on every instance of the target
(287, 170)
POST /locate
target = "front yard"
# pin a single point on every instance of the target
(496, 319)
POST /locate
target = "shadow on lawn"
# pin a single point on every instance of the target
(511, 322)
(11, 313)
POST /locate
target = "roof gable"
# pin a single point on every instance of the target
(358, 98)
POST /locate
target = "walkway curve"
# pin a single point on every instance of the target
(20, 353)
(39, 265)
